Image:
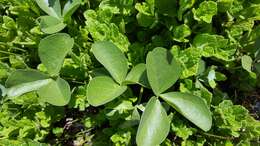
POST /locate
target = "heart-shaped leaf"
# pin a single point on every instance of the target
(56, 92)
(192, 107)
(112, 59)
(53, 49)
(162, 70)
(69, 8)
(103, 89)
(154, 125)
(24, 76)
(51, 7)
(138, 75)
(20, 89)
(50, 24)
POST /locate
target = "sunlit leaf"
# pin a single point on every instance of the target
(154, 125)
(112, 58)
(192, 107)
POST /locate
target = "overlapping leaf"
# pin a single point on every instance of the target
(53, 49)
(56, 92)
(112, 58)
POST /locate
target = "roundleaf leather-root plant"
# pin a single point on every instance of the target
(160, 72)
(50, 87)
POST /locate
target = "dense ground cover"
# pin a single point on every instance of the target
(130, 72)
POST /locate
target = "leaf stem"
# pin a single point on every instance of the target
(5, 52)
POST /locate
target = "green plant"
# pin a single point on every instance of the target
(126, 73)
(161, 71)
(57, 18)
(50, 87)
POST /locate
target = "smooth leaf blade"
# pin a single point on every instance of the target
(51, 7)
(138, 75)
(103, 89)
(50, 24)
(192, 107)
(21, 89)
(53, 49)
(112, 59)
(69, 8)
(24, 76)
(56, 92)
(162, 70)
(154, 125)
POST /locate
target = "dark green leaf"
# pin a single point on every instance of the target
(154, 125)
(192, 107)
(53, 49)
(103, 89)
(167, 7)
(112, 59)
(162, 70)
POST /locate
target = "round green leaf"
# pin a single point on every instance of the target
(53, 49)
(192, 107)
(138, 75)
(24, 76)
(103, 89)
(162, 70)
(51, 24)
(154, 125)
(51, 7)
(56, 92)
(112, 59)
